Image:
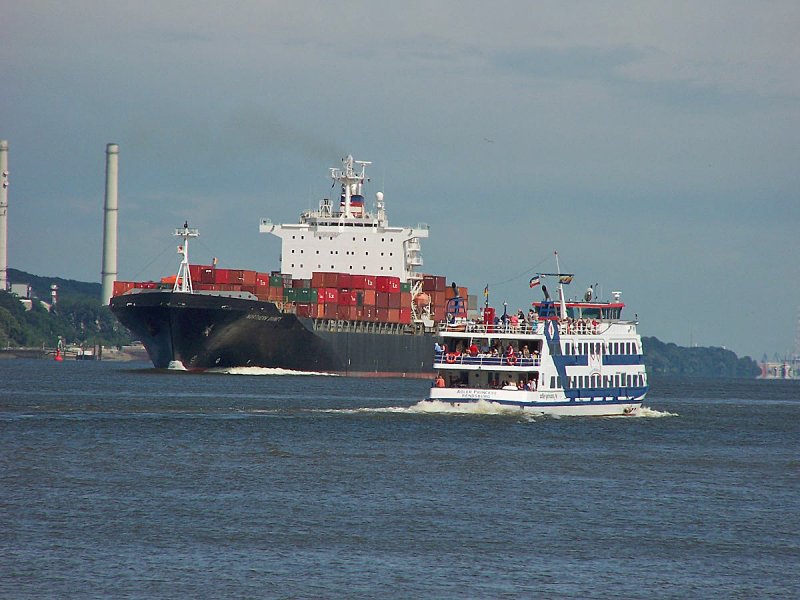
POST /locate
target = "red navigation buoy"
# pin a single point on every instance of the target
(58, 356)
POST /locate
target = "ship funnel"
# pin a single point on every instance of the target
(3, 215)
(109, 273)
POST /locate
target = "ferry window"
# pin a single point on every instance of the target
(293, 237)
(317, 251)
(292, 251)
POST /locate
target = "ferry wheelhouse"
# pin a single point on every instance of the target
(562, 358)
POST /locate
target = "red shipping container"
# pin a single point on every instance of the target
(394, 315)
(328, 311)
(394, 300)
(343, 280)
(206, 275)
(405, 316)
(405, 299)
(369, 282)
(357, 282)
(262, 279)
(387, 284)
(249, 277)
(220, 275)
(326, 295)
(370, 313)
(370, 297)
(382, 314)
(433, 283)
(253, 289)
(382, 299)
(343, 312)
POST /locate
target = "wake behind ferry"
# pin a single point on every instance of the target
(563, 357)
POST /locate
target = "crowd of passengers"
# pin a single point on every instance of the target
(522, 383)
(495, 350)
(505, 320)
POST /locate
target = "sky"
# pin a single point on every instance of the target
(653, 145)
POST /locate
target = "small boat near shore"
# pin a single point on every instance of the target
(565, 358)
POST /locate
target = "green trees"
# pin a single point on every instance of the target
(669, 359)
(77, 319)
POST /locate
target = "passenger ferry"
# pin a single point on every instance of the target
(564, 357)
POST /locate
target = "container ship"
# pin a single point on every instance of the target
(349, 298)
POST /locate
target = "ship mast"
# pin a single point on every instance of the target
(352, 183)
(183, 281)
(562, 302)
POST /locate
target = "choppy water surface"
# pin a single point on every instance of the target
(120, 481)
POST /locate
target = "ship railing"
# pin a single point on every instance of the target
(487, 328)
(453, 358)
(565, 327)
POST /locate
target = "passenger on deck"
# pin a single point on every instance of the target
(439, 348)
(473, 349)
(525, 352)
(439, 381)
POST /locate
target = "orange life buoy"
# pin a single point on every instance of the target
(451, 357)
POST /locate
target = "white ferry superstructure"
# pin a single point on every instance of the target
(567, 358)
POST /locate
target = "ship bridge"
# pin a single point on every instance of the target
(343, 236)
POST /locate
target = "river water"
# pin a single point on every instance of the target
(120, 481)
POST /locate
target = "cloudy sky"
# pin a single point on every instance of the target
(654, 145)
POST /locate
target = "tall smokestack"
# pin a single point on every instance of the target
(3, 215)
(109, 273)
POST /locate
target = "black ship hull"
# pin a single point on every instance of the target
(203, 331)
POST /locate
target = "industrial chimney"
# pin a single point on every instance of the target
(3, 215)
(109, 273)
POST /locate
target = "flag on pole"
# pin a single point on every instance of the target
(565, 279)
(486, 291)
(535, 281)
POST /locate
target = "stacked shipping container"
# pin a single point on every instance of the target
(373, 298)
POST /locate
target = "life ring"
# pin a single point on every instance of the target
(511, 359)
(451, 357)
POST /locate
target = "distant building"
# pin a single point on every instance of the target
(21, 290)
